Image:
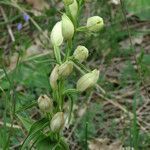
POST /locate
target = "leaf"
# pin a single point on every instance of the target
(146, 59)
(25, 107)
(64, 144)
(141, 8)
(45, 143)
(35, 132)
(49, 144)
(26, 122)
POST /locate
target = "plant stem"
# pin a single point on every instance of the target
(86, 136)
(69, 48)
(57, 54)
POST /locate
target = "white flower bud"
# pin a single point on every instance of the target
(56, 34)
(74, 9)
(65, 69)
(54, 77)
(57, 122)
(88, 80)
(67, 27)
(95, 23)
(45, 103)
(81, 53)
(68, 2)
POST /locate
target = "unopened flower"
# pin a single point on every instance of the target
(81, 53)
(95, 23)
(56, 34)
(45, 103)
(74, 9)
(68, 2)
(54, 77)
(65, 69)
(67, 27)
(88, 80)
(57, 122)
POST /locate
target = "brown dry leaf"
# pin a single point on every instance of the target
(116, 146)
(38, 4)
(12, 61)
(82, 111)
(98, 144)
(103, 144)
(38, 46)
(135, 40)
(33, 50)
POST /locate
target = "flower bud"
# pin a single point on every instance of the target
(65, 69)
(95, 23)
(57, 122)
(45, 103)
(68, 2)
(67, 27)
(56, 34)
(54, 77)
(81, 53)
(74, 9)
(88, 80)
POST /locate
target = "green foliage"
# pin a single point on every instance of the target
(91, 128)
(141, 8)
(128, 74)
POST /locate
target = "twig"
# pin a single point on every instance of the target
(8, 26)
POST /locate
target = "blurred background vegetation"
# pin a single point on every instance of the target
(121, 51)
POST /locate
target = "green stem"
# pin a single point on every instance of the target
(86, 136)
(57, 54)
(69, 48)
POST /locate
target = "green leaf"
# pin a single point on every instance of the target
(70, 91)
(64, 145)
(49, 143)
(146, 59)
(141, 8)
(46, 143)
(26, 122)
(28, 106)
(35, 132)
